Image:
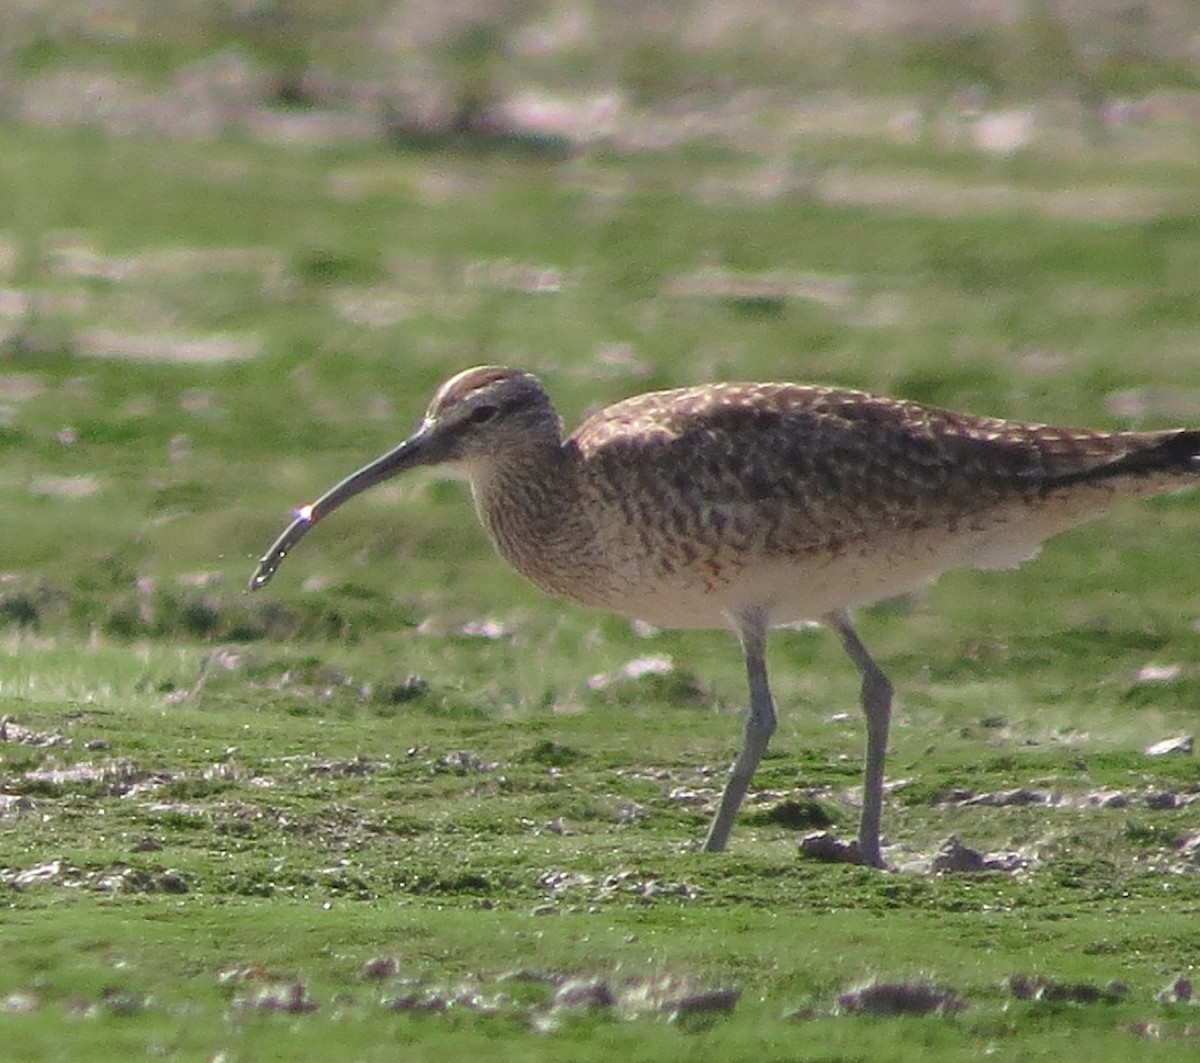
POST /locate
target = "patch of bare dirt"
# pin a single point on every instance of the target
(602, 888)
(900, 998)
(1041, 988)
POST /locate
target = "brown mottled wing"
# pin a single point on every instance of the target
(809, 468)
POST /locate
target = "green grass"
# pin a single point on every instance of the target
(229, 792)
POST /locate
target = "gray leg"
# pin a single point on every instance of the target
(759, 727)
(877, 707)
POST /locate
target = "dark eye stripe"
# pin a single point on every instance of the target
(483, 414)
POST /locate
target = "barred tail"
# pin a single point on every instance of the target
(1172, 454)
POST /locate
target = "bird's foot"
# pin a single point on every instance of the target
(826, 847)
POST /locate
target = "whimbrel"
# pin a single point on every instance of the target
(751, 506)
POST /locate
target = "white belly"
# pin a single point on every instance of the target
(809, 587)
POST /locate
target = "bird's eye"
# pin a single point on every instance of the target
(483, 414)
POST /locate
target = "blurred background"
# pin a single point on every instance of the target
(240, 243)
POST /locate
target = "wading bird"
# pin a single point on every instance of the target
(751, 506)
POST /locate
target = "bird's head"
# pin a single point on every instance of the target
(479, 415)
(474, 420)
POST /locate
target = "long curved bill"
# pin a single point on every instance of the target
(405, 456)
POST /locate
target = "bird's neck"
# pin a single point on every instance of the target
(527, 500)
